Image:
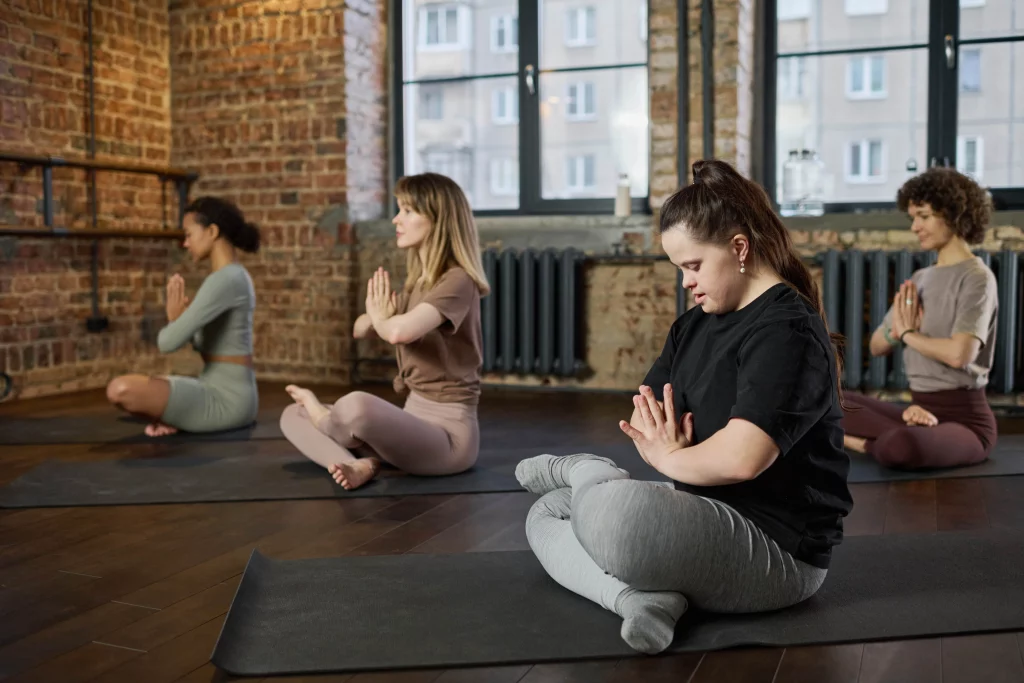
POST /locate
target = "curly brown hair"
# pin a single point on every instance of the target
(962, 203)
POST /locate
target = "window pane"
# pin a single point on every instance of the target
(615, 137)
(875, 169)
(433, 28)
(991, 18)
(863, 138)
(993, 114)
(576, 33)
(970, 69)
(452, 40)
(856, 75)
(877, 74)
(463, 143)
(827, 25)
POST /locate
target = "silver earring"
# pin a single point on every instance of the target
(742, 269)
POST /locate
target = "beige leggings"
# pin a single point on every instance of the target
(425, 438)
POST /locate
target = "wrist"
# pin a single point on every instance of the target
(904, 333)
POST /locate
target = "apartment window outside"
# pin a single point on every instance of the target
(868, 86)
(581, 27)
(505, 106)
(970, 156)
(789, 10)
(432, 108)
(579, 102)
(791, 78)
(865, 77)
(866, 161)
(504, 177)
(440, 27)
(580, 173)
(505, 33)
(532, 107)
(970, 70)
(859, 8)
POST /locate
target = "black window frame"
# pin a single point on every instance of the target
(942, 102)
(531, 201)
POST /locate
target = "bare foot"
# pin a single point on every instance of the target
(160, 429)
(916, 415)
(316, 410)
(855, 443)
(355, 473)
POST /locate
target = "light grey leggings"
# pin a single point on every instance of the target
(605, 532)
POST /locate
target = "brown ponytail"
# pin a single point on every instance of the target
(719, 203)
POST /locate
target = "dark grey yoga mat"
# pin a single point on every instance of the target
(487, 609)
(114, 427)
(224, 472)
(229, 472)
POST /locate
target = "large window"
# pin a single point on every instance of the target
(531, 106)
(881, 90)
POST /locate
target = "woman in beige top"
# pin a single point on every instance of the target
(435, 326)
(945, 318)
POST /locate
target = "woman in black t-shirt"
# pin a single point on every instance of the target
(742, 411)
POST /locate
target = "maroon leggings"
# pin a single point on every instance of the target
(965, 435)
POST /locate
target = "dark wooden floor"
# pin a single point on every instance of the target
(140, 593)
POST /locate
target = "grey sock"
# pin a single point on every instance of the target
(544, 473)
(649, 618)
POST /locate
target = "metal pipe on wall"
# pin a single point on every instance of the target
(707, 49)
(683, 86)
(96, 323)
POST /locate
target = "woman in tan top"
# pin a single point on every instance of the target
(434, 325)
(945, 318)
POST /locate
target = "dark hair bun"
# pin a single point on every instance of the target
(229, 219)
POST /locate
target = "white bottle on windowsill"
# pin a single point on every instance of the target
(623, 202)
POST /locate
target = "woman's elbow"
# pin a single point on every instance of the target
(964, 354)
(164, 344)
(399, 334)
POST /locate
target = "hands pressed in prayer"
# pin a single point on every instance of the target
(907, 311)
(177, 302)
(660, 435)
(381, 302)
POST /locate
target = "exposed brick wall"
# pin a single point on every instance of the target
(663, 40)
(733, 68)
(260, 108)
(45, 284)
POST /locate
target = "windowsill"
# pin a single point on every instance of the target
(606, 235)
(880, 220)
(594, 234)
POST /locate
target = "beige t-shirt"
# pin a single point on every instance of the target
(444, 365)
(957, 298)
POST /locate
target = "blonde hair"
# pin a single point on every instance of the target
(452, 240)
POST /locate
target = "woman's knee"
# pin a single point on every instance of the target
(905, 449)
(120, 390)
(552, 506)
(613, 521)
(354, 410)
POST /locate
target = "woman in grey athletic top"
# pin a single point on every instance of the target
(945, 320)
(218, 323)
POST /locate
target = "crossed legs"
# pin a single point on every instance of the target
(646, 551)
(352, 437)
(143, 396)
(878, 429)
